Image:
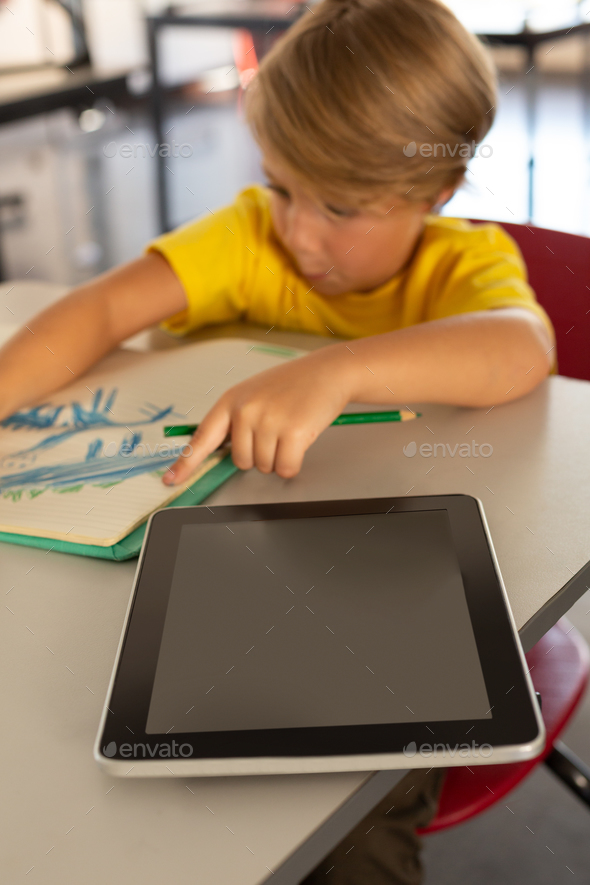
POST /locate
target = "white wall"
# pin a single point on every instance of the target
(117, 39)
(34, 32)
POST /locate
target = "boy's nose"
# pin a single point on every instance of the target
(302, 235)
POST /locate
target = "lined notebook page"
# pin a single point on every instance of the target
(86, 465)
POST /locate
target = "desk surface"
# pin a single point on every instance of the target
(67, 822)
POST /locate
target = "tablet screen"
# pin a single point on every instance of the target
(324, 621)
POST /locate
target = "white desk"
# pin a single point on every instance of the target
(68, 823)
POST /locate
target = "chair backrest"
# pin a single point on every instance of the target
(559, 272)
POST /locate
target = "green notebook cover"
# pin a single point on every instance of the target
(130, 546)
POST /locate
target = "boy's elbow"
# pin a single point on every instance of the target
(523, 359)
(535, 357)
(531, 379)
(528, 362)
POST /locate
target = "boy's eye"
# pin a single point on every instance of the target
(281, 191)
(338, 210)
(333, 210)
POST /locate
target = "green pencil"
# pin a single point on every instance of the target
(345, 418)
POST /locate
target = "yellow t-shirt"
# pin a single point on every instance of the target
(232, 267)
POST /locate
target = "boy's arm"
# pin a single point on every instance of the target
(64, 340)
(475, 359)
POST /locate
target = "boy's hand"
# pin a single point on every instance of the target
(274, 416)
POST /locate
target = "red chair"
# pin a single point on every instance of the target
(559, 666)
(559, 272)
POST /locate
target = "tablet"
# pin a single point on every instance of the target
(318, 636)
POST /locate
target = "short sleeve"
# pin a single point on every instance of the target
(487, 273)
(210, 257)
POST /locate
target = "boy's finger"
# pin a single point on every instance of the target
(242, 444)
(265, 447)
(289, 457)
(211, 432)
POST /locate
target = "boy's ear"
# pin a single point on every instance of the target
(443, 198)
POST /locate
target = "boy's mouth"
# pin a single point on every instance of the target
(315, 275)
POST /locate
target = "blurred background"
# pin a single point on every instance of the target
(97, 156)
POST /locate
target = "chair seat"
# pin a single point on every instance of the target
(559, 667)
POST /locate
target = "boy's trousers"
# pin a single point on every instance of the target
(384, 849)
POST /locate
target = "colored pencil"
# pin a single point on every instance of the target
(345, 418)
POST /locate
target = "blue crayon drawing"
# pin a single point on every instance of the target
(98, 467)
(80, 419)
(98, 471)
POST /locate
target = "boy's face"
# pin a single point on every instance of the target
(336, 248)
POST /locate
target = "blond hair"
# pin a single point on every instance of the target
(354, 82)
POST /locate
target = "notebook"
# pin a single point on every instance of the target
(82, 471)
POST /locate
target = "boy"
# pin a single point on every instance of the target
(343, 243)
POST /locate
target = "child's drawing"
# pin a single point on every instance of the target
(106, 461)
